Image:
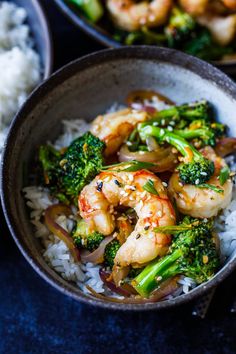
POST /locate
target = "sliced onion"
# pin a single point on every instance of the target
(168, 287)
(226, 146)
(118, 274)
(129, 300)
(96, 256)
(163, 158)
(51, 214)
(152, 144)
(120, 290)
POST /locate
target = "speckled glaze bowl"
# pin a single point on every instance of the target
(86, 88)
(40, 31)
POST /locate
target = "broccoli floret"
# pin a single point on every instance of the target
(145, 36)
(49, 158)
(181, 26)
(192, 253)
(81, 163)
(206, 132)
(93, 9)
(68, 173)
(196, 169)
(110, 252)
(83, 238)
(182, 115)
(203, 46)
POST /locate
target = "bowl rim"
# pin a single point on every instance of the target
(104, 38)
(207, 71)
(46, 30)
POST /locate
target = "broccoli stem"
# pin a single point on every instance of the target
(186, 112)
(190, 134)
(177, 141)
(156, 272)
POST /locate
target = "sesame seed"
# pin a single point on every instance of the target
(159, 213)
(203, 173)
(164, 184)
(131, 177)
(151, 18)
(170, 128)
(197, 181)
(117, 183)
(128, 143)
(156, 124)
(99, 186)
(143, 195)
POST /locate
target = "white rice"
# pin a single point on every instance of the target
(57, 254)
(19, 63)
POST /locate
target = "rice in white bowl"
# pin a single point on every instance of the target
(58, 256)
(19, 63)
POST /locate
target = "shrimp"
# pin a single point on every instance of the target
(131, 16)
(222, 28)
(200, 7)
(194, 7)
(113, 188)
(202, 203)
(230, 4)
(114, 128)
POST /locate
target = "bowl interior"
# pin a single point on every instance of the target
(37, 20)
(84, 89)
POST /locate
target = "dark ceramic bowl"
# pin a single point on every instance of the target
(86, 88)
(102, 35)
(38, 23)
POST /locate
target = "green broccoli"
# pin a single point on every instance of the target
(84, 239)
(206, 132)
(180, 116)
(203, 46)
(81, 162)
(145, 36)
(181, 26)
(49, 158)
(93, 9)
(192, 253)
(67, 173)
(110, 252)
(197, 170)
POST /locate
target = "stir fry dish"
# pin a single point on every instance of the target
(203, 28)
(141, 190)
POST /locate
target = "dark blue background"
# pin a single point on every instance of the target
(35, 318)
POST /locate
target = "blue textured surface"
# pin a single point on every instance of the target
(35, 318)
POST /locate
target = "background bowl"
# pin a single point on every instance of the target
(39, 26)
(86, 88)
(100, 33)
